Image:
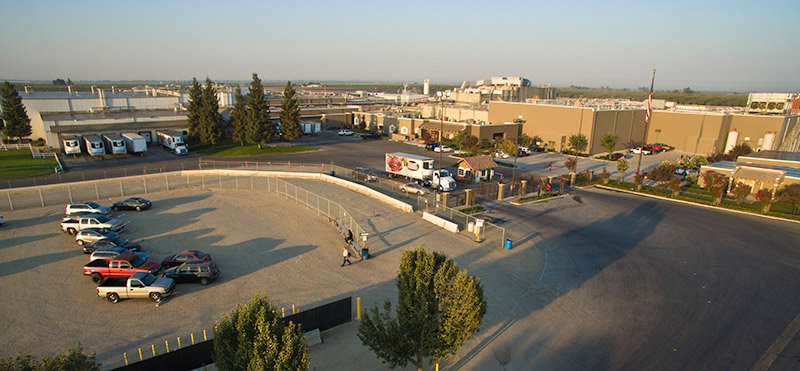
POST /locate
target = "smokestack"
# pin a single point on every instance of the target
(102, 98)
(426, 87)
(69, 89)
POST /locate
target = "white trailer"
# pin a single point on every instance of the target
(419, 168)
(94, 145)
(114, 144)
(172, 140)
(134, 143)
(72, 144)
(311, 127)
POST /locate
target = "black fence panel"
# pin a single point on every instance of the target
(325, 316)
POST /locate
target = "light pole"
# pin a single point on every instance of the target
(441, 137)
(518, 120)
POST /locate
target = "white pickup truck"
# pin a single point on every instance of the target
(140, 285)
(73, 224)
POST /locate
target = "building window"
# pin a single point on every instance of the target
(404, 130)
(461, 171)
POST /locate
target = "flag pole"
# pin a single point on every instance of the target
(646, 122)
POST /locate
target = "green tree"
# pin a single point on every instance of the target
(15, 117)
(290, 115)
(68, 360)
(791, 194)
(439, 307)
(577, 143)
(764, 196)
(609, 141)
(195, 108)
(461, 139)
(524, 140)
(622, 166)
(209, 131)
(239, 117)
(664, 172)
(254, 337)
(740, 191)
(259, 127)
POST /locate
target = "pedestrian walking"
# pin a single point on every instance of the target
(550, 166)
(346, 255)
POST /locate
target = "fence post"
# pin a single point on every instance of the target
(237, 181)
(220, 180)
(121, 191)
(166, 178)
(41, 198)
(251, 183)
(166, 342)
(203, 178)
(96, 191)
(144, 181)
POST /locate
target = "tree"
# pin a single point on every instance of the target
(472, 143)
(577, 143)
(59, 82)
(609, 141)
(193, 118)
(675, 186)
(622, 166)
(254, 337)
(15, 117)
(439, 307)
(638, 180)
(688, 90)
(290, 115)
(460, 140)
(68, 360)
(717, 183)
(664, 172)
(239, 117)
(740, 191)
(764, 196)
(570, 164)
(209, 130)
(605, 175)
(524, 140)
(739, 150)
(791, 194)
(259, 128)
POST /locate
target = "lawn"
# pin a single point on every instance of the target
(252, 149)
(18, 163)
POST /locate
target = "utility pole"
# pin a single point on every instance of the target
(441, 137)
(646, 122)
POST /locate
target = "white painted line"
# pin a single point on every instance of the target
(772, 353)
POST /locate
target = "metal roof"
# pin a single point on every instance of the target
(773, 155)
(127, 126)
(483, 162)
(115, 114)
(791, 172)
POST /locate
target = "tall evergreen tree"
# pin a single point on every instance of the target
(195, 107)
(290, 114)
(209, 129)
(15, 117)
(239, 117)
(259, 128)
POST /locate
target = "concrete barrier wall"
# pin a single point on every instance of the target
(446, 224)
(314, 176)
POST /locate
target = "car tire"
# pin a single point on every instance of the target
(97, 278)
(80, 242)
(115, 208)
(204, 281)
(112, 297)
(155, 297)
(138, 208)
(72, 231)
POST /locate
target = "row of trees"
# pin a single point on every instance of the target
(15, 122)
(439, 307)
(249, 117)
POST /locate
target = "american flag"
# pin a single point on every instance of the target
(650, 99)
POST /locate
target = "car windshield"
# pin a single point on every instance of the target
(200, 255)
(118, 241)
(148, 279)
(138, 261)
(103, 219)
(94, 205)
(445, 173)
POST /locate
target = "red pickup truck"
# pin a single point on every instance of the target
(123, 265)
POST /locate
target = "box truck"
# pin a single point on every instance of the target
(94, 145)
(72, 144)
(134, 143)
(419, 168)
(172, 140)
(114, 144)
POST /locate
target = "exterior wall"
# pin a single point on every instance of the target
(692, 132)
(554, 124)
(628, 125)
(790, 138)
(489, 132)
(336, 120)
(752, 128)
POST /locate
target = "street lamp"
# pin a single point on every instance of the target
(441, 96)
(518, 120)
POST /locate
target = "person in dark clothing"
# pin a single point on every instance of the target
(349, 238)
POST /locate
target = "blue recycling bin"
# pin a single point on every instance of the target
(508, 244)
(333, 173)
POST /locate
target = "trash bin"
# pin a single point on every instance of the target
(365, 253)
(333, 173)
(508, 244)
(471, 227)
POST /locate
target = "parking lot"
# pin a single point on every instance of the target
(596, 280)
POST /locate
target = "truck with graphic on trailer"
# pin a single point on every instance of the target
(419, 168)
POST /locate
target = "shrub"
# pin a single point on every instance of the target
(664, 172)
(675, 186)
(764, 196)
(605, 176)
(638, 179)
(716, 183)
(740, 191)
(571, 164)
(791, 194)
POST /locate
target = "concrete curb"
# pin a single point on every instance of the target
(696, 204)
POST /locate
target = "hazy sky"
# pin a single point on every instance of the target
(706, 45)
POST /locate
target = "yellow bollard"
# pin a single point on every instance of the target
(166, 342)
(204, 336)
(126, 358)
(283, 312)
(358, 307)
(179, 342)
(437, 366)
(192, 338)
(140, 355)
(154, 349)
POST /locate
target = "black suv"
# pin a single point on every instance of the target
(203, 271)
(370, 136)
(431, 145)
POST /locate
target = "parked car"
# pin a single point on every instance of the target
(443, 149)
(685, 172)
(523, 151)
(133, 203)
(370, 136)
(124, 265)
(88, 236)
(364, 174)
(196, 271)
(185, 256)
(345, 132)
(431, 145)
(617, 156)
(644, 151)
(90, 207)
(113, 252)
(500, 154)
(72, 224)
(112, 242)
(138, 285)
(655, 148)
(665, 147)
(414, 188)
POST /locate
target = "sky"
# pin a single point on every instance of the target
(705, 45)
